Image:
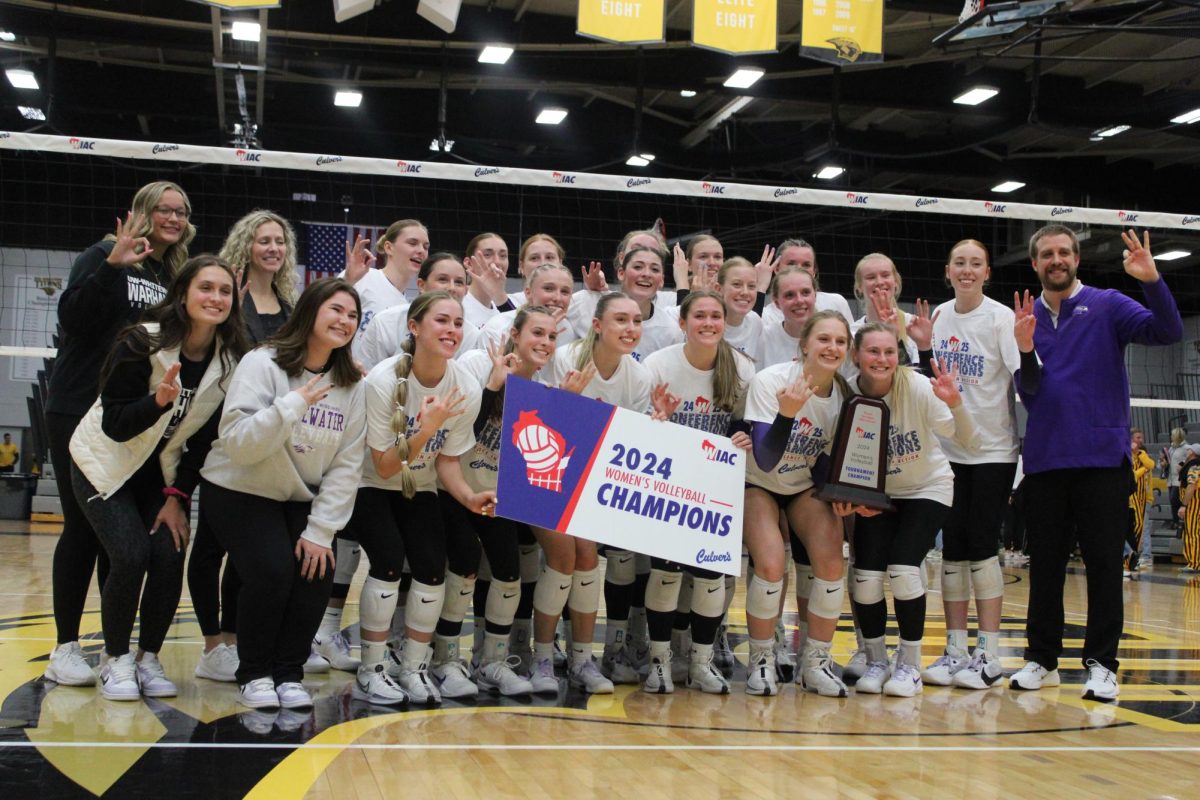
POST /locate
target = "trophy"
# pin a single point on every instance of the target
(859, 458)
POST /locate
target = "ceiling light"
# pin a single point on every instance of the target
(743, 78)
(7, 36)
(1172, 255)
(977, 95)
(348, 99)
(829, 173)
(436, 146)
(22, 78)
(1007, 186)
(640, 160)
(245, 31)
(495, 54)
(551, 116)
(686, 93)
(1112, 130)
(1187, 118)
(29, 112)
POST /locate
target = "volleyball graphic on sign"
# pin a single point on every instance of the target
(542, 448)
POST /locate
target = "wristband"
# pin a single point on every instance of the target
(171, 491)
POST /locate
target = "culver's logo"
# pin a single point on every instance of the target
(632, 182)
(856, 199)
(248, 155)
(707, 557)
(786, 192)
(82, 144)
(404, 166)
(712, 188)
(1190, 220)
(163, 148)
(562, 177)
(5, 135)
(926, 201)
(995, 208)
(1058, 211)
(481, 171)
(323, 160)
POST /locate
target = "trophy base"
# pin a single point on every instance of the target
(840, 493)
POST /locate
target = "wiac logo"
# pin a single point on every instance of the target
(562, 177)
(248, 155)
(82, 144)
(712, 188)
(404, 166)
(542, 448)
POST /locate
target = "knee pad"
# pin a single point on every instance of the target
(502, 600)
(484, 573)
(906, 580)
(662, 591)
(459, 591)
(551, 592)
(424, 606)
(377, 604)
(956, 581)
(804, 580)
(641, 563)
(762, 598)
(708, 597)
(987, 578)
(620, 569)
(825, 600)
(585, 590)
(868, 586)
(683, 605)
(531, 564)
(348, 555)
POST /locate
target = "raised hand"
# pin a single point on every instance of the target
(1026, 322)
(663, 402)
(885, 308)
(593, 277)
(129, 249)
(359, 259)
(945, 383)
(1137, 259)
(793, 396)
(577, 380)
(920, 326)
(766, 267)
(167, 389)
(489, 276)
(314, 391)
(679, 268)
(241, 278)
(503, 365)
(437, 409)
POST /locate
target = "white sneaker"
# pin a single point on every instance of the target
(374, 685)
(502, 677)
(1101, 683)
(723, 656)
(586, 675)
(856, 667)
(153, 679)
(524, 659)
(218, 664)
(418, 685)
(785, 660)
(658, 678)
(873, 679)
(905, 682)
(68, 667)
(336, 650)
(817, 674)
(259, 693)
(983, 672)
(542, 676)
(942, 671)
(705, 676)
(454, 679)
(617, 666)
(1033, 676)
(316, 663)
(292, 694)
(118, 679)
(761, 679)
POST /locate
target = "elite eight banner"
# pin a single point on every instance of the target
(582, 467)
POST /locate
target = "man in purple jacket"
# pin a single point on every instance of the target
(1076, 452)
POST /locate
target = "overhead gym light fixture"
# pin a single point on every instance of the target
(1187, 118)
(495, 54)
(829, 173)
(36, 114)
(22, 78)
(744, 78)
(640, 160)
(7, 36)
(976, 95)
(686, 93)
(245, 31)
(348, 99)
(1172, 255)
(551, 116)
(1007, 186)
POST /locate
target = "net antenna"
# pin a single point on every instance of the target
(983, 19)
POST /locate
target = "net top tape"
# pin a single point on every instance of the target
(719, 190)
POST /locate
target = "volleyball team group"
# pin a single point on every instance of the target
(341, 419)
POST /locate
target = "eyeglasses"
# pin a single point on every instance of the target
(168, 212)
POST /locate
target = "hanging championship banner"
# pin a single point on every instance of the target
(626, 21)
(585, 468)
(842, 31)
(734, 26)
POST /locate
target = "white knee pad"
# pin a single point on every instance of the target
(762, 598)
(868, 586)
(708, 597)
(641, 562)
(620, 569)
(825, 600)
(585, 590)
(987, 578)
(531, 564)
(348, 555)
(484, 573)
(804, 580)
(377, 604)
(906, 581)
(424, 606)
(684, 603)
(662, 590)
(459, 591)
(956, 581)
(502, 600)
(551, 592)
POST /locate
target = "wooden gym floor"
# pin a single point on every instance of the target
(68, 743)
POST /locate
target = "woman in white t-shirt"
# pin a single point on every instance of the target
(799, 253)
(600, 366)
(403, 247)
(548, 284)
(795, 293)
(737, 282)
(538, 249)
(920, 484)
(421, 406)
(974, 334)
(877, 286)
(487, 261)
(700, 384)
(698, 264)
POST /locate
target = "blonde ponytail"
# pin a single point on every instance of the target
(408, 484)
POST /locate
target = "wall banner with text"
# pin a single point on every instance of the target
(734, 26)
(625, 21)
(842, 31)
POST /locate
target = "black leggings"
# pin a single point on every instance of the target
(981, 492)
(78, 551)
(278, 610)
(214, 598)
(704, 629)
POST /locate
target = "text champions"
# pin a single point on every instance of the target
(633, 501)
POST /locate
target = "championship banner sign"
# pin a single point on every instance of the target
(625, 21)
(734, 26)
(586, 468)
(842, 31)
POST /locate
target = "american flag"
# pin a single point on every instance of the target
(327, 247)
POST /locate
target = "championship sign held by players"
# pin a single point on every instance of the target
(586, 468)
